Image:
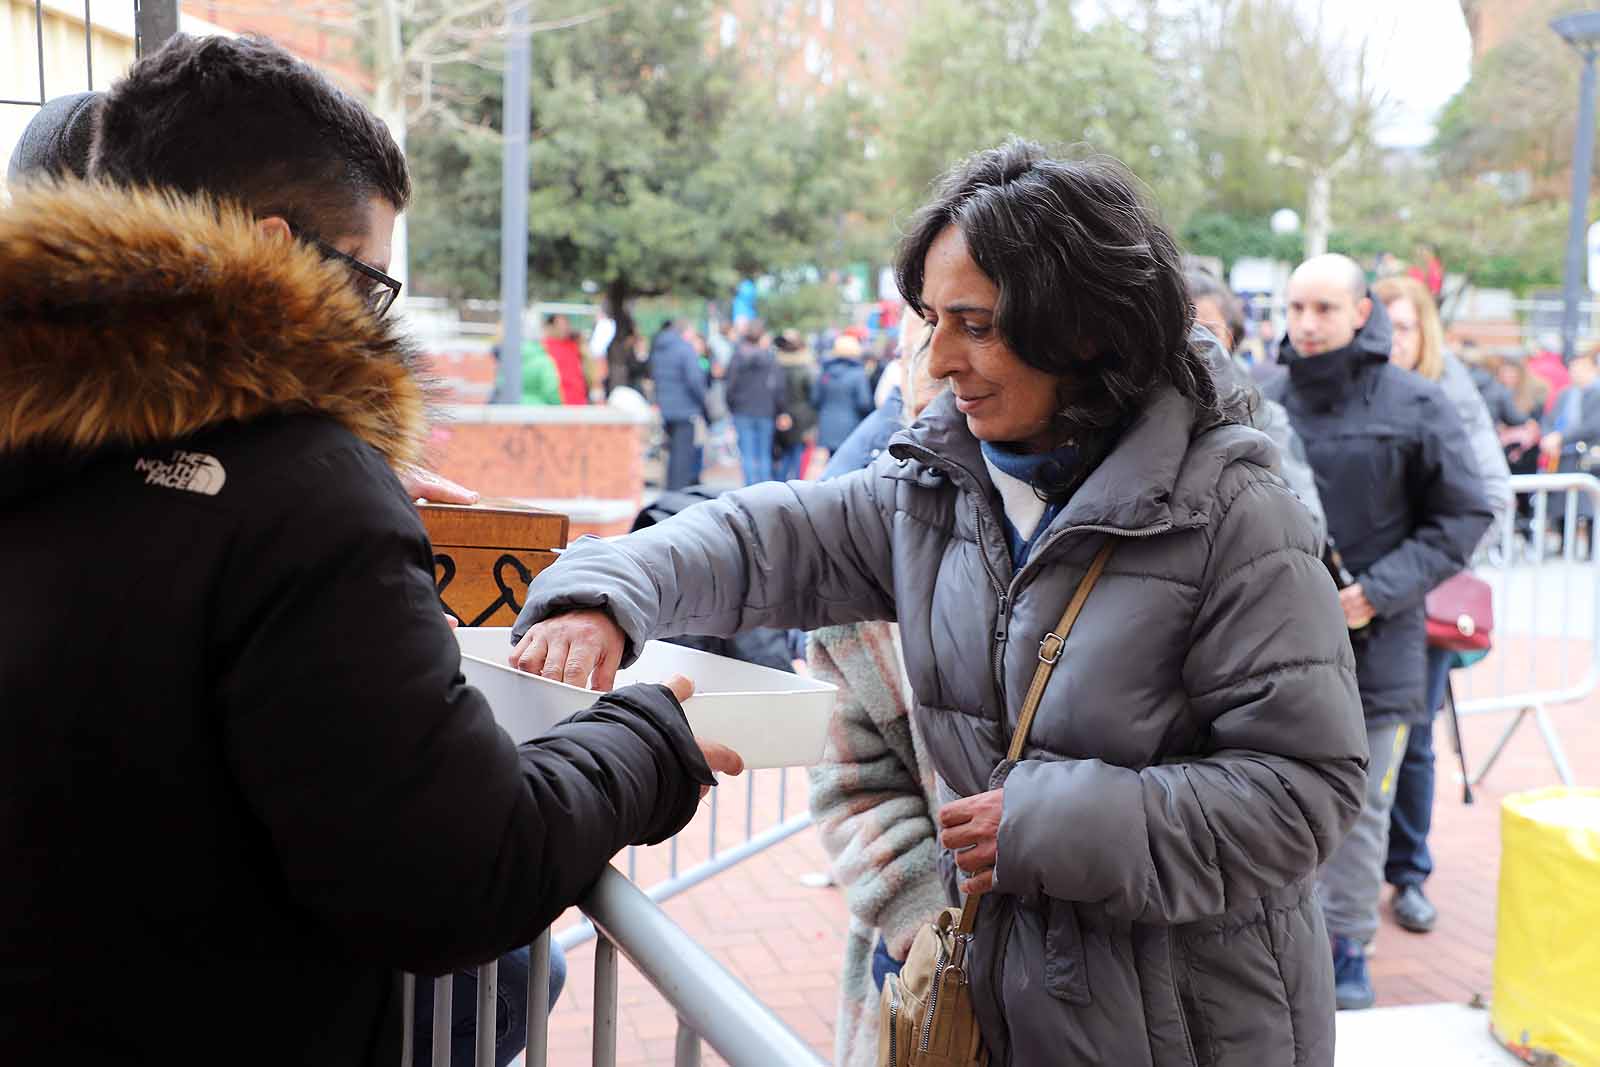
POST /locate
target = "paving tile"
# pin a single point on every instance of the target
(784, 940)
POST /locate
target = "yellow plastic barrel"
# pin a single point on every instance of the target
(1547, 951)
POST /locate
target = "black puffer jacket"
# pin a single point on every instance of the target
(1404, 498)
(245, 782)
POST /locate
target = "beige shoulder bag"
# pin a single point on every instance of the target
(925, 1016)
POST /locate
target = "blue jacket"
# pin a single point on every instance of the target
(842, 397)
(679, 377)
(868, 440)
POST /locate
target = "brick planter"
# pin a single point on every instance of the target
(585, 462)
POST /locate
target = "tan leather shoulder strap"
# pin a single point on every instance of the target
(1050, 648)
(1049, 655)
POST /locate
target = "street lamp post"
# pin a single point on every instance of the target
(514, 201)
(1582, 32)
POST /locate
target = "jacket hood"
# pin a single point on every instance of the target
(1163, 473)
(132, 318)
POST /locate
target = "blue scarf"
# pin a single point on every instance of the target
(1025, 466)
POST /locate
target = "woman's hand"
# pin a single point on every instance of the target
(571, 647)
(971, 829)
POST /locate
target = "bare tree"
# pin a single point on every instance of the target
(1281, 84)
(403, 43)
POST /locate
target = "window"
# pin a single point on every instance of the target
(827, 14)
(730, 29)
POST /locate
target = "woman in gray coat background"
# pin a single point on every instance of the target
(1147, 866)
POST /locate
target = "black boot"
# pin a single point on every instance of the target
(1413, 911)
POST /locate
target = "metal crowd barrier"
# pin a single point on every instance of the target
(712, 1005)
(630, 918)
(718, 859)
(1546, 595)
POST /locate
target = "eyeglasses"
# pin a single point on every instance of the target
(378, 289)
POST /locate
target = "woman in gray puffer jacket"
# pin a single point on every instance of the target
(1147, 867)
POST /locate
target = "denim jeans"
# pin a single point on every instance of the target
(755, 447)
(788, 467)
(683, 455)
(1409, 862)
(511, 1015)
(883, 964)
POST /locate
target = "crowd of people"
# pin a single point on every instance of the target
(785, 398)
(1085, 487)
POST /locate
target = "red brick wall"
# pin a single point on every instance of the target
(467, 376)
(547, 461)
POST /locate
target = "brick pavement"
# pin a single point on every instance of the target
(784, 940)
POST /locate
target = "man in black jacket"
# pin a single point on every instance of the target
(245, 783)
(1405, 507)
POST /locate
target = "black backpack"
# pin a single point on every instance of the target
(763, 647)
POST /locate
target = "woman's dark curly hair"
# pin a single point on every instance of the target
(1091, 284)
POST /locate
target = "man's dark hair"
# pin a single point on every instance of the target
(243, 120)
(1091, 285)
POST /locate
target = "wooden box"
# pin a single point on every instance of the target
(485, 556)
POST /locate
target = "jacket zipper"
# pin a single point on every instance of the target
(894, 1019)
(933, 1000)
(997, 646)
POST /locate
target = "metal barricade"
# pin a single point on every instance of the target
(765, 793)
(711, 1005)
(718, 857)
(1546, 585)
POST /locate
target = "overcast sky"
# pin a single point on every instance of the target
(1420, 51)
(1421, 54)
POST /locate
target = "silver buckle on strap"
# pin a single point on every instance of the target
(1050, 648)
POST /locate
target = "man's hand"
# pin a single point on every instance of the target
(1551, 445)
(573, 646)
(784, 424)
(971, 829)
(721, 758)
(426, 485)
(1358, 611)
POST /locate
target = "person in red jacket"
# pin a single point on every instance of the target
(566, 352)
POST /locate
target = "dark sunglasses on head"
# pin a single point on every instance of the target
(378, 289)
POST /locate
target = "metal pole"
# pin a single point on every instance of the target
(687, 1050)
(488, 1013)
(538, 1051)
(443, 991)
(1578, 225)
(154, 22)
(605, 1003)
(408, 1016)
(708, 1000)
(514, 201)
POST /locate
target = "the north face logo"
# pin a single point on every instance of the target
(194, 471)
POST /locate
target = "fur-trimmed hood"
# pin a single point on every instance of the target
(134, 318)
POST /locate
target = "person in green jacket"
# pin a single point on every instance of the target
(540, 382)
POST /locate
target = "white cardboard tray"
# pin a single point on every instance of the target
(771, 718)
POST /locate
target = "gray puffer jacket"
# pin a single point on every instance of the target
(1198, 753)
